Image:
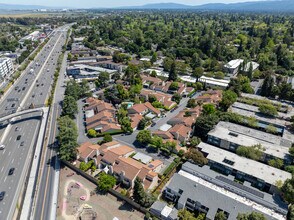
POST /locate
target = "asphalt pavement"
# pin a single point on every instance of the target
(44, 200)
(20, 96)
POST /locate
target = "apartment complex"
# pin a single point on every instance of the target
(259, 175)
(82, 71)
(100, 116)
(203, 190)
(230, 136)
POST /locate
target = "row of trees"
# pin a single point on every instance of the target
(73, 92)
(68, 132)
(275, 86)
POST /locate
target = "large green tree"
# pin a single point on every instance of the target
(144, 137)
(288, 190)
(229, 97)
(67, 138)
(173, 75)
(69, 106)
(140, 196)
(105, 182)
(251, 216)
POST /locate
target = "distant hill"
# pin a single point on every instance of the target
(160, 6)
(262, 6)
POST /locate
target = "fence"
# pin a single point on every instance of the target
(111, 191)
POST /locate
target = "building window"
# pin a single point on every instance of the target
(233, 134)
(228, 162)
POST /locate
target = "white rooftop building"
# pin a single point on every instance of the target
(260, 171)
(212, 82)
(230, 136)
(233, 66)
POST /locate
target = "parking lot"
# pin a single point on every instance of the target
(77, 198)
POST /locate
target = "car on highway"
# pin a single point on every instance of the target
(17, 129)
(23, 88)
(22, 143)
(2, 146)
(18, 137)
(2, 194)
(11, 171)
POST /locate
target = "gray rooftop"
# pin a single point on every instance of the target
(257, 134)
(249, 110)
(161, 209)
(244, 136)
(215, 197)
(259, 170)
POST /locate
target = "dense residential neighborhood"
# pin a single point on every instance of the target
(141, 113)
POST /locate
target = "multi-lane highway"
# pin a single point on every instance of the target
(45, 198)
(20, 137)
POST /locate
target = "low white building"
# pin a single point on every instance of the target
(212, 82)
(254, 66)
(233, 66)
(6, 67)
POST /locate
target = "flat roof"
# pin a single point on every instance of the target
(215, 197)
(234, 63)
(165, 127)
(248, 137)
(253, 108)
(251, 167)
(259, 117)
(142, 158)
(213, 81)
(257, 134)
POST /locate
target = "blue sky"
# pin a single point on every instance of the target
(110, 3)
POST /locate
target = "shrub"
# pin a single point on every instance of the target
(92, 133)
(268, 109)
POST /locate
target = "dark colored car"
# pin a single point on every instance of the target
(2, 194)
(11, 171)
(18, 137)
(22, 143)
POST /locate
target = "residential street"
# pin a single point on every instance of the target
(130, 140)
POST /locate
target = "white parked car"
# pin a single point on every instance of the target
(2, 146)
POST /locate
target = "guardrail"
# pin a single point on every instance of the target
(21, 110)
(9, 116)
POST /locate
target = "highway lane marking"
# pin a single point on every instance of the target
(2, 169)
(12, 160)
(10, 138)
(9, 153)
(50, 156)
(5, 179)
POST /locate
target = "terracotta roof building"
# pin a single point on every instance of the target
(88, 151)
